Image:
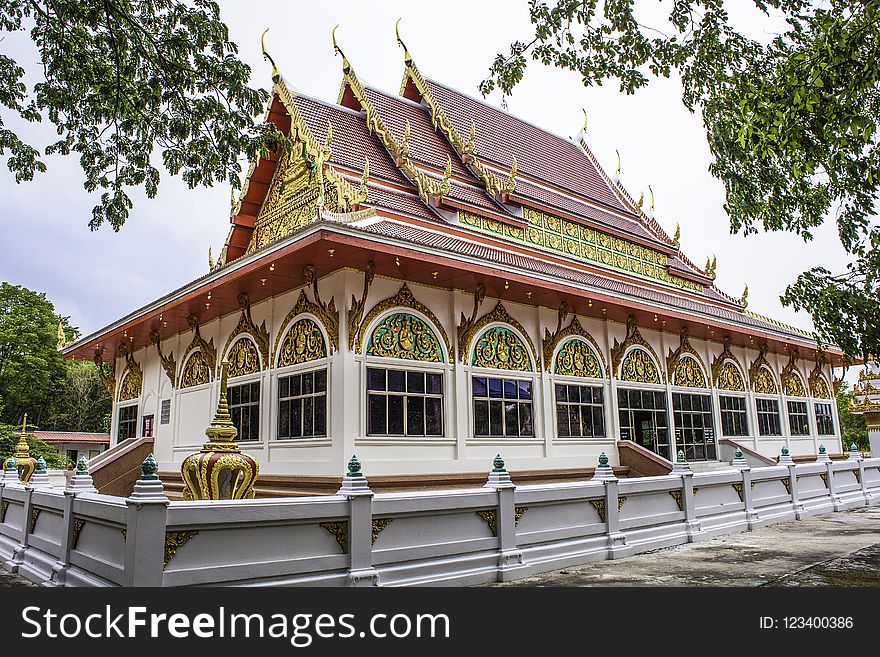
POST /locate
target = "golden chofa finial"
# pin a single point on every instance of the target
(676, 239)
(211, 263)
(346, 66)
(744, 299)
(651, 207)
(584, 127)
(617, 168)
(62, 339)
(641, 201)
(511, 179)
(407, 58)
(365, 178)
(276, 76)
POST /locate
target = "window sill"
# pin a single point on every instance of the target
(286, 443)
(584, 441)
(409, 441)
(505, 441)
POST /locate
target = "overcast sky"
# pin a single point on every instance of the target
(97, 277)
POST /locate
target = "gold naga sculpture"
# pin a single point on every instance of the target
(220, 471)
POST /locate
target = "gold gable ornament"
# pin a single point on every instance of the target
(818, 386)
(199, 359)
(760, 374)
(220, 471)
(578, 355)
(726, 370)
(792, 383)
(686, 366)
(640, 363)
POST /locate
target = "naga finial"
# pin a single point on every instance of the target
(407, 58)
(641, 202)
(365, 176)
(346, 66)
(276, 75)
(407, 133)
(617, 169)
(511, 179)
(744, 299)
(676, 239)
(210, 260)
(651, 207)
(584, 127)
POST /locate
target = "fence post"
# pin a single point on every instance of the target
(81, 482)
(12, 564)
(688, 503)
(145, 529)
(856, 455)
(356, 489)
(616, 539)
(752, 516)
(786, 460)
(509, 558)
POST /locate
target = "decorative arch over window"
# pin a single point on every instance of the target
(199, 359)
(303, 343)
(819, 387)
(639, 367)
(578, 355)
(761, 374)
(132, 377)
(642, 365)
(246, 339)
(792, 382)
(243, 357)
(726, 370)
(686, 365)
(501, 348)
(405, 336)
(404, 299)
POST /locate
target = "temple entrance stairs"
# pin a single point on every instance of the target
(115, 470)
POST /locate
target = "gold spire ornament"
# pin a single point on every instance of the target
(641, 201)
(617, 168)
(650, 189)
(220, 471)
(744, 299)
(24, 462)
(211, 263)
(584, 126)
(276, 75)
(676, 239)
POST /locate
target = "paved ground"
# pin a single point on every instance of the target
(836, 549)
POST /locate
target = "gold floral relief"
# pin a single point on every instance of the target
(196, 371)
(819, 388)
(689, 374)
(729, 378)
(501, 348)
(243, 358)
(575, 358)
(792, 383)
(131, 387)
(763, 382)
(303, 343)
(405, 336)
(639, 368)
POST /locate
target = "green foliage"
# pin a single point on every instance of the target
(82, 403)
(852, 425)
(9, 437)
(792, 125)
(121, 79)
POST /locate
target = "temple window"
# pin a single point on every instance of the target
(643, 419)
(768, 417)
(824, 420)
(244, 407)
(579, 411)
(302, 405)
(734, 419)
(694, 429)
(502, 407)
(128, 421)
(404, 402)
(797, 418)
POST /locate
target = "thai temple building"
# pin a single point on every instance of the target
(426, 281)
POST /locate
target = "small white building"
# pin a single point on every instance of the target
(74, 444)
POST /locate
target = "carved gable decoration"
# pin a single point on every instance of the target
(517, 355)
(579, 355)
(403, 335)
(792, 383)
(132, 377)
(168, 362)
(107, 371)
(818, 385)
(686, 365)
(641, 362)
(761, 376)
(199, 360)
(500, 348)
(726, 371)
(303, 343)
(242, 344)
(639, 367)
(403, 299)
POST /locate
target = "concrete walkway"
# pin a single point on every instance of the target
(836, 549)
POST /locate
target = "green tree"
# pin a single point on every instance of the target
(791, 124)
(123, 79)
(852, 425)
(9, 436)
(31, 367)
(81, 402)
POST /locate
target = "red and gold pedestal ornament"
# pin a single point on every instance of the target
(221, 471)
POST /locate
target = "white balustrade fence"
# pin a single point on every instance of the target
(67, 537)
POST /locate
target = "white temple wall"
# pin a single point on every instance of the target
(458, 450)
